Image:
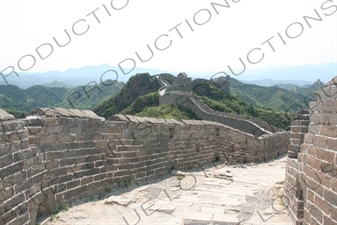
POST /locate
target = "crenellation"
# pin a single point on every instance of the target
(315, 164)
(75, 156)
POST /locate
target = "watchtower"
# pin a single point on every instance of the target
(183, 81)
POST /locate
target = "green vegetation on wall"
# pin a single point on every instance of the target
(219, 101)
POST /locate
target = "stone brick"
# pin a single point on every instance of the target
(29, 163)
(24, 154)
(294, 148)
(75, 192)
(328, 106)
(310, 195)
(15, 178)
(325, 180)
(11, 170)
(332, 144)
(334, 182)
(61, 188)
(330, 197)
(7, 159)
(95, 185)
(52, 164)
(34, 140)
(66, 178)
(294, 141)
(329, 131)
(86, 180)
(35, 170)
(321, 141)
(34, 130)
(36, 188)
(333, 119)
(330, 170)
(313, 162)
(24, 143)
(328, 220)
(73, 184)
(322, 205)
(14, 201)
(313, 221)
(4, 195)
(314, 128)
(67, 162)
(306, 215)
(299, 129)
(333, 213)
(322, 118)
(300, 123)
(315, 213)
(99, 177)
(20, 219)
(325, 155)
(54, 155)
(308, 138)
(8, 217)
(312, 150)
(49, 139)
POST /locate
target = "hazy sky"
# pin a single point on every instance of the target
(230, 33)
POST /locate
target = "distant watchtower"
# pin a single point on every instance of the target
(224, 83)
(183, 81)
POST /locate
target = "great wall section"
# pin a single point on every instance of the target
(57, 155)
(311, 183)
(180, 93)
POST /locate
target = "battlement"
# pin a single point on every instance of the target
(310, 182)
(55, 156)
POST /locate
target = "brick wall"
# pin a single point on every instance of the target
(311, 184)
(254, 126)
(57, 156)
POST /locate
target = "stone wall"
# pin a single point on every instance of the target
(311, 183)
(299, 127)
(188, 100)
(175, 95)
(183, 82)
(55, 156)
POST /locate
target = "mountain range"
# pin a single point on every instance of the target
(299, 75)
(139, 96)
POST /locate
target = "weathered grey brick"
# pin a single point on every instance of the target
(17, 167)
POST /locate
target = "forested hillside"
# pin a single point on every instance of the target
(274, 97)
(20, 102)
(139, 96)
(13, 97)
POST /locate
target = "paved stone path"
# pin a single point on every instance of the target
(214, 194)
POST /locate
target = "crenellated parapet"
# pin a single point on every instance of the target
(310, 182)
(55, 156)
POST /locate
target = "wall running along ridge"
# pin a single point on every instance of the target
(58, 155)
(174, 95)
(311, 172)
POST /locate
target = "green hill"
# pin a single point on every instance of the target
(19, 101)
(274, 97)
(15, 98)
(89, 96)
(137, 86)
(140, 97)
(220, 101)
